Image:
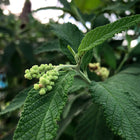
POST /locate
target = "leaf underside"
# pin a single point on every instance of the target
(41, 113)
(102, 33)
(48, 47)
(119, 96)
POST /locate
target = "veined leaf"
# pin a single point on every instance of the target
(17, 102)
(102, 33)
(78, 84)
(41, 113)
(70, 33)
(48, 47)
(73, 109)
(86, 59)
(120, 99)
(92, 125)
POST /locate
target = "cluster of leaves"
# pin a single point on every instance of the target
(81, 105)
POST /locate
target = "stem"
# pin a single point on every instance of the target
(84, 77)
(65, 67)
(77, 69)
(52, 7)
(65, 10)
(122, 62)
(80, 17)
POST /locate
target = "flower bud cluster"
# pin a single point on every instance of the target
(100, 71)
(46, 74)
(37, 71)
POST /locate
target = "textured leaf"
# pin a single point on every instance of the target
(120, 99)
(92, 126)
(74, 107)
(102, 33)
(17, 102)
(70, 33)
(100, 20)
(86, 59)
(64, 49)
(48, 47)
(41, 113)
(77, 84)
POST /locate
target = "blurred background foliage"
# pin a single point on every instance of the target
(24, 41)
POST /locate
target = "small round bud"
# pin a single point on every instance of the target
(28, 76)
(49, 77)
(38, 76)
(36, 86)
(42, 81)
(47, 81)
(42, 67)
(50, 65)
(34, 75)
(104, 72)
(27, 71)
(33, 71)
(40, 85)
(35, 67)
(52, 83)
(42, 91)
(49, 88)
(55, 77)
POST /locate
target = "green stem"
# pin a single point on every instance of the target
(125, 57)
(52, 7)
(83, 76)
(77, 69)
(80, 17)
(66, 67)
(122, 63)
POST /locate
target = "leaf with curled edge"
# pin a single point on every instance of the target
(98, 35)
(41, 113)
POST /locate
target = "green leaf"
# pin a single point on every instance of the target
(65, 50)
(92, 125)
(70, 33)
(48, 47)
(27, 51)
(100, 20)
(78, 84)
(17, 102)
(109, 55)
(87, 5)
(120, 99)
(86, 59)
(75, 106)
(6, 31)
(65, 4)
(119, 7)
(41, 113)
(102, 33)
(8, 52)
